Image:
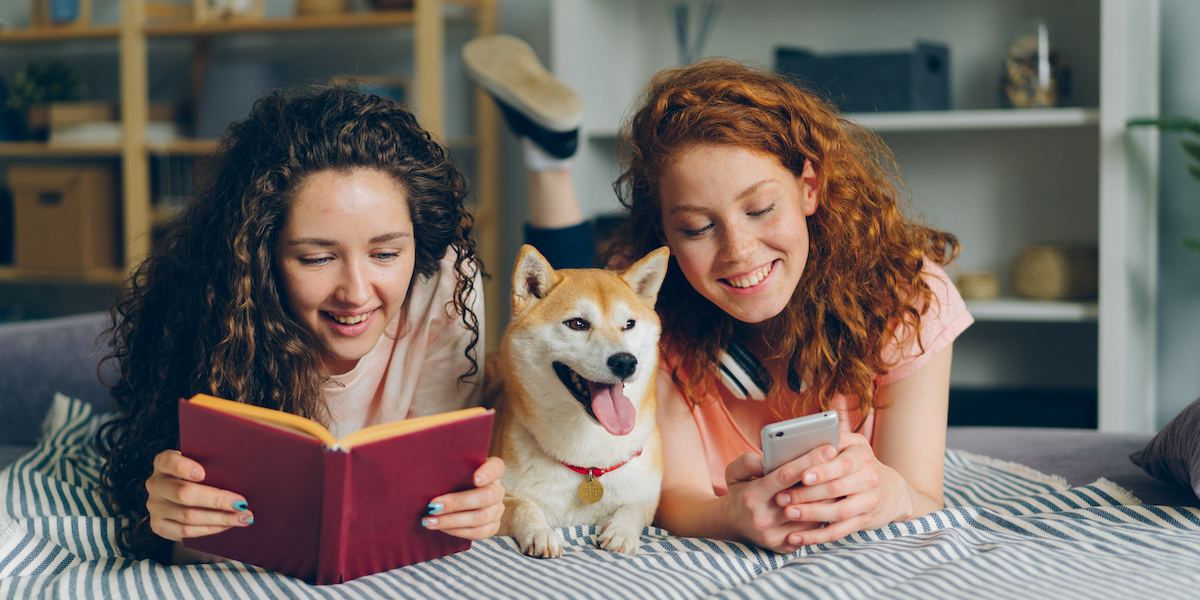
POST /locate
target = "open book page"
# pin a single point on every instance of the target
(268, 416)
(303, 426)
(375, 433)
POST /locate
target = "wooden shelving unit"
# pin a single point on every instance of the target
(427, 19)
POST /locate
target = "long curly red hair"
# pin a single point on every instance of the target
(862, 287)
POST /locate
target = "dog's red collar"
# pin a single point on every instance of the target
(596, 471)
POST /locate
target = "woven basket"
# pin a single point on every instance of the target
(320, 7)
(979, 285)
(1056, 272)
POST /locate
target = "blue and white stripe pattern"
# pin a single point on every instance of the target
(1007, 532)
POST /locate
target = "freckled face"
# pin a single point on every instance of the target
(345, 257)
(735, 222)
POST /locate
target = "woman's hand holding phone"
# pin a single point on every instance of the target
(753, 515)
(846, 493)
(752, 508)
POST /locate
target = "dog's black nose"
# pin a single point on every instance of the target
(623, 365)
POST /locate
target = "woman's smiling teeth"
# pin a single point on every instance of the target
(752, 279)
(350, 319)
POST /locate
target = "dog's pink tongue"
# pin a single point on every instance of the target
(614, 411)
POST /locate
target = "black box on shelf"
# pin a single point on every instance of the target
(907, 80)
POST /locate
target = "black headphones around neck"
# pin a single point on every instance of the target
(742, 373)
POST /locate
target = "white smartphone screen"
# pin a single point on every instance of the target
(788, 440)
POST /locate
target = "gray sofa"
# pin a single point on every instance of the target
(39, 358)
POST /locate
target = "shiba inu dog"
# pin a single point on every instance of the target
(574, 393)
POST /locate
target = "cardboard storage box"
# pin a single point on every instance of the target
(64, 217)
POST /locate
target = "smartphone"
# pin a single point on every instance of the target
(788, 440)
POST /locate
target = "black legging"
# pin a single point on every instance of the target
(566, 248)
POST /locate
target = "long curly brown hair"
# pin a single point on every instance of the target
(205, 313)
(862, 286)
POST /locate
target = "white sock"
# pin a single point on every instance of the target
(537, 159)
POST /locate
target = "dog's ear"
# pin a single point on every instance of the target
(533, 277)
(645, 276)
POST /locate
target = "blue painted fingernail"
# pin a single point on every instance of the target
(435, 508)
(429, 522)
(241, 505)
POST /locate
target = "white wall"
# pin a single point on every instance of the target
(1179, 210)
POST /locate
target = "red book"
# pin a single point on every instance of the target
(328, 510)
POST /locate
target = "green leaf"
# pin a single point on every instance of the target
(1192, 243)
(1167, 123)
(1195, 171)
(1192, 148)
(45, 80)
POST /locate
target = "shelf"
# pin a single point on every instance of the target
(355, 20)
(1041, 311)
(95, 276)
(967, 120)
(58, 34)
(183, 147)
(955, 120)
(383, 18)
(113, 149)
(44, 149)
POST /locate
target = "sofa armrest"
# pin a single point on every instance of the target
(39, 358)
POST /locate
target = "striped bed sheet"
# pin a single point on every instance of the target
(1006, 532)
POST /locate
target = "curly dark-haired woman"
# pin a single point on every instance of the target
(326, 269)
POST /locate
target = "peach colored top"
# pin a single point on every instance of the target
(724, 441)
(413, 370)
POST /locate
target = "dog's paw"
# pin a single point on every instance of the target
(616, 539)
(542, 543)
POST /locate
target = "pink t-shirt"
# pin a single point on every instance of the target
(724, 441)
(413, 370)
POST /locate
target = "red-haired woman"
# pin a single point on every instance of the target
(788, 242)
(787, 239)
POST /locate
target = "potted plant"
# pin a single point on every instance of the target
(39, 83)
(1190, 129)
